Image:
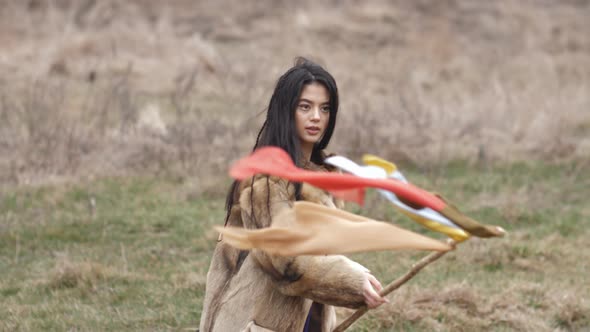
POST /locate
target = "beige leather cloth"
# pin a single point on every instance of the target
(252, 327)
(313, 229)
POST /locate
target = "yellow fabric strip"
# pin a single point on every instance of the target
(470, 225)
(388, 166)
(456, 234)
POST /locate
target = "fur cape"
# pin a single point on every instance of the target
(255, 291)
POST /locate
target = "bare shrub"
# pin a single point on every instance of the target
(572, 311)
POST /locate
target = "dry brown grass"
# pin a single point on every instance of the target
(526, 286)
(67, 274)
(104, 88)
(88, 276)
(460, 308)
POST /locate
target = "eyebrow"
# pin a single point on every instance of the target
(309, 101)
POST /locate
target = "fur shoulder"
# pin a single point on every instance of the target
(260, 183)
(259, 195)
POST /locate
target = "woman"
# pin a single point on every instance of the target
(255, 291)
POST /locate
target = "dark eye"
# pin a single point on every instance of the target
(325, 109)
(304, 107)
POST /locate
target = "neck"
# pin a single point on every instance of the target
(306, 152)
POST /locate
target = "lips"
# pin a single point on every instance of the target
(312, 130)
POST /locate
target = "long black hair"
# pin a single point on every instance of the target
(279, 127)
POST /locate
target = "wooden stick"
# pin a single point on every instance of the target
(395, 285)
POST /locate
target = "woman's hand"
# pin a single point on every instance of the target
(371, 287)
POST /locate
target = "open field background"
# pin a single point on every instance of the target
(118, 120)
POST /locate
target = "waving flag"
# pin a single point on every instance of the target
(313, 229)
(275, 161)
(382, 169)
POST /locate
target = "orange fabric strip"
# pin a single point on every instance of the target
(275, 161)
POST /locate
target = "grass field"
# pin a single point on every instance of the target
(132, 254)
(118, 120)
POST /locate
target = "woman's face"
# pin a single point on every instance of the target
(312, 114)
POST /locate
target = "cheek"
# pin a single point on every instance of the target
(298, 120)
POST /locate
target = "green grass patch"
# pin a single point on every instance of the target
(132, 254)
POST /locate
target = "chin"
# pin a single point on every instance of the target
(313, 142)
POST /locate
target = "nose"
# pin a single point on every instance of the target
(315, 114)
